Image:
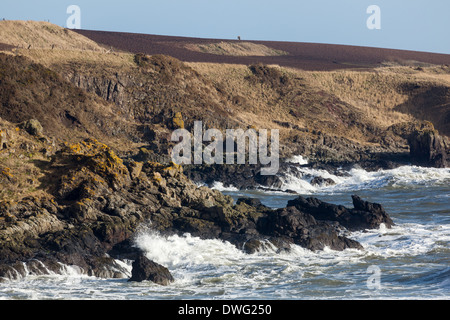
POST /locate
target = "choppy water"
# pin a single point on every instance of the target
(409, 261)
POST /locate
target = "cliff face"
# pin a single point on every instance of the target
(428, 148)
(334, 116)
(92, 203)
(30, 91)
(159, 88)
(312, 122)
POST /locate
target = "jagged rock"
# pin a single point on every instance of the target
(304, 230)
(319, 181)
(253, 202)
(428, 148)
(134, 168)
(146, 269)
(252, 246)
(96, 204)
(365, 215)
(177, 121)
(267, 244)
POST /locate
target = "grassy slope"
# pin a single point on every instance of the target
(378, 97)
(43, 35)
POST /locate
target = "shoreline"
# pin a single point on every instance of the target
(84, 221)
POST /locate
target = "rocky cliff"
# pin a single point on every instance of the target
(93, 202)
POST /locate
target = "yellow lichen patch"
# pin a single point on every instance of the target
(157, 176)
(154, 165)
(84, 201)
(173, 169)
(7, 173)
(177, 121)
(94, 162)
(175, 166)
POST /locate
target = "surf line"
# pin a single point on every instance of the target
(213, 153)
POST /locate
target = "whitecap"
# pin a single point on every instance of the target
(299, 159)
(299, 179)
(220, 187)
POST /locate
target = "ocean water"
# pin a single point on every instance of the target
(409, 261)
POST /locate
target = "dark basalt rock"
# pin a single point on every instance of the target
(319, 181)
(428, 148)
(364, 215)
(96, 205)
(305, 230)
(253, 202)
(145, 269)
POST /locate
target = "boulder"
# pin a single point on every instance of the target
(145, 269)
(177, 121)
(33, 127)
(364, 215)
(253, 202)
(428, 148)
(319, 181)
(304, 230)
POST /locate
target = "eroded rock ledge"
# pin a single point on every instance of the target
(95, 202)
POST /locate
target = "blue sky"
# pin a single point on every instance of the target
(422, 25)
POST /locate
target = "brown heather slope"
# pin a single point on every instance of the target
(306, 56)
(43, 35)
(424, 76)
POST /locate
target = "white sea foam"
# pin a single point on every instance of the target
(407, 239)
(174, 251)
(298, 159)
(217, 269)
(299, 179)
(219, 186)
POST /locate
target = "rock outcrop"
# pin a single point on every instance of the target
(428, 148)
(364, 215)
(33, 127)
(145, 269)
(95, 203)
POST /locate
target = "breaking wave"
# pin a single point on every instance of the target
(299, 179)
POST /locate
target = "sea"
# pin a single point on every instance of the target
(411, 260)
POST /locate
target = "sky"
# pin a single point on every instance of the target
(420, 25)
